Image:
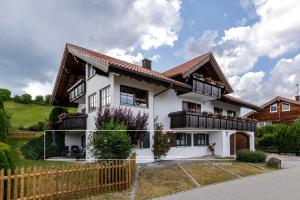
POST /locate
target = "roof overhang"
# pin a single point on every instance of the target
(239, 102)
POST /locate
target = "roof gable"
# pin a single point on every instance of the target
(274, 100)
(191, 66)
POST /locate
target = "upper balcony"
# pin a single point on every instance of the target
(77, 92)
(204, 90)
(184, 119)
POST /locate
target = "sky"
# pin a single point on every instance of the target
(255, 42)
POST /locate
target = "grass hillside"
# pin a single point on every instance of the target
(27, 114)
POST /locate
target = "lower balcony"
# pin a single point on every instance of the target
(71, 122)
(184, 119)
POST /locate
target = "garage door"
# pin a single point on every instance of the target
(238, 141)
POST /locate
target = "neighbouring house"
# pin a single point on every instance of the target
(191, 99)
(277, 110)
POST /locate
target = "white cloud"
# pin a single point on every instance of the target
(33, 33)
(276, 32)
(38, 88)
(125, 55)
(281, 82)
(247, 86)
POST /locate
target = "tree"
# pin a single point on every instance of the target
(48, 98)
(4, 124)
(39, 99)
(26, 98)
(18, 98)
(4, 94)
(111, 141)
(136, 124)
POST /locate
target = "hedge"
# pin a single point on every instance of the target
(34, 149)
(246, 155)
(6, 157)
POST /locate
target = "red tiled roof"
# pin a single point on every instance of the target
(181, 69)
(114, 61)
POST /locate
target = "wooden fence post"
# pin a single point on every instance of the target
(22, 183)
(8, 184)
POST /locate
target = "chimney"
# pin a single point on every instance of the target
(146, 63)
(297, 97)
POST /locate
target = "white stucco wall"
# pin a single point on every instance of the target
(158, 105)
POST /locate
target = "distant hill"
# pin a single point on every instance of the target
(27, 114)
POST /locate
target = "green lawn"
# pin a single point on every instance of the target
(27, 114)
(20, 161)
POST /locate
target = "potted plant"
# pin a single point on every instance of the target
(211, 148)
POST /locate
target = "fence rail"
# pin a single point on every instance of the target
(67, 181)
(23, 135)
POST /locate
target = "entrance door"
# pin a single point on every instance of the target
(238, 141)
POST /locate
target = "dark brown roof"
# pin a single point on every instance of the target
(238, 101)
(129, 66)
(183, 68)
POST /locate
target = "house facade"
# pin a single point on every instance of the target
(192, 100)
(277, 110)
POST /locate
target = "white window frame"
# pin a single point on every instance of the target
(271, 108)
(283, 107)
(105, 100)
(92, 99)
(91, 71)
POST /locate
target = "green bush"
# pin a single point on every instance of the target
(4, 124)
(34, 149)
(266, 141)
(111, 142)
(288, 139)
(245, 155)
(39, 100)
(48, 98)
(18, 99)
(39, 126)
(268, 129)
(26, 99)
(6, 157)
(55, 112)
(4, 94)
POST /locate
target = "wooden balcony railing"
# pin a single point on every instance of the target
(184, 119)
(72, 122)
(206, 88)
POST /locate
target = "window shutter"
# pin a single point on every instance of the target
(188, 139)
(196, 139)
(207, 139)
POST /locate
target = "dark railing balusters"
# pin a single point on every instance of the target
(185, 119)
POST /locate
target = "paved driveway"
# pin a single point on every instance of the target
(280, 184)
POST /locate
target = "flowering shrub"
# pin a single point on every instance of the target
(162, 141)
(123, 115)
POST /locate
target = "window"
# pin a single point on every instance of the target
(91, 71)
(218, 111)
(133, 96)
(191, 107)
(261, 124)
(231, 113)
(92, 102)
(273, 108)
(285, 106)
(183, 139)
(105, 97)
(201, 139)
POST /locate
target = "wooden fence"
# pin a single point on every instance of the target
(67, 181)
(23, 135)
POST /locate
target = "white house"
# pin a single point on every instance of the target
(191, 99)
